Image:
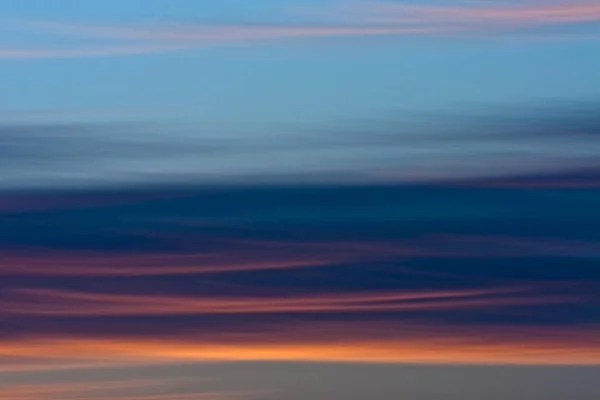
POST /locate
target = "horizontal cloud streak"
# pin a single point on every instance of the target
(542, 147)
(152, 39)
(39, 301)
(486, 14)
(209, 34)
(272, 256)
(373, 18)
(101, 265)
(364, 342)
(368, 19)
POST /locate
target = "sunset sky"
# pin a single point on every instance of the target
(300, 199)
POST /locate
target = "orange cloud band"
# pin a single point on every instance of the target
(343, 342)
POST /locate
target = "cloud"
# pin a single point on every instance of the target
(123, 40)
(484, 15)
(364, 19)
(443, 271)
(548, 143)
(57, 302)
(329, 342)
(103, 264)
(238, 256)
(198, 34)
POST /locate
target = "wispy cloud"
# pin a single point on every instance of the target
(105, 154)
(239, 256)
(140, 39)
(102, 264)
(483, 15)
(198, 34)
(361, 19)
(57, 302)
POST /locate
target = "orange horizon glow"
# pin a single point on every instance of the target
(449, 350)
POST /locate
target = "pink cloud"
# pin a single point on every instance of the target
(35, 301)
(481, 14)
(273, 255)
(368, 19)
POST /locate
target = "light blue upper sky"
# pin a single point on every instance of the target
(313, 82)
(290, 80)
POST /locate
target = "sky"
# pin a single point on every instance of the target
(299, 199)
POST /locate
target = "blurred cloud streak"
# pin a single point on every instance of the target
(327, 342)
(495, 146)
(485, 14)
(40, 301)
(366, 19)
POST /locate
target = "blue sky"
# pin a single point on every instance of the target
(241, 200)
(269, 73)
(291, 80)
